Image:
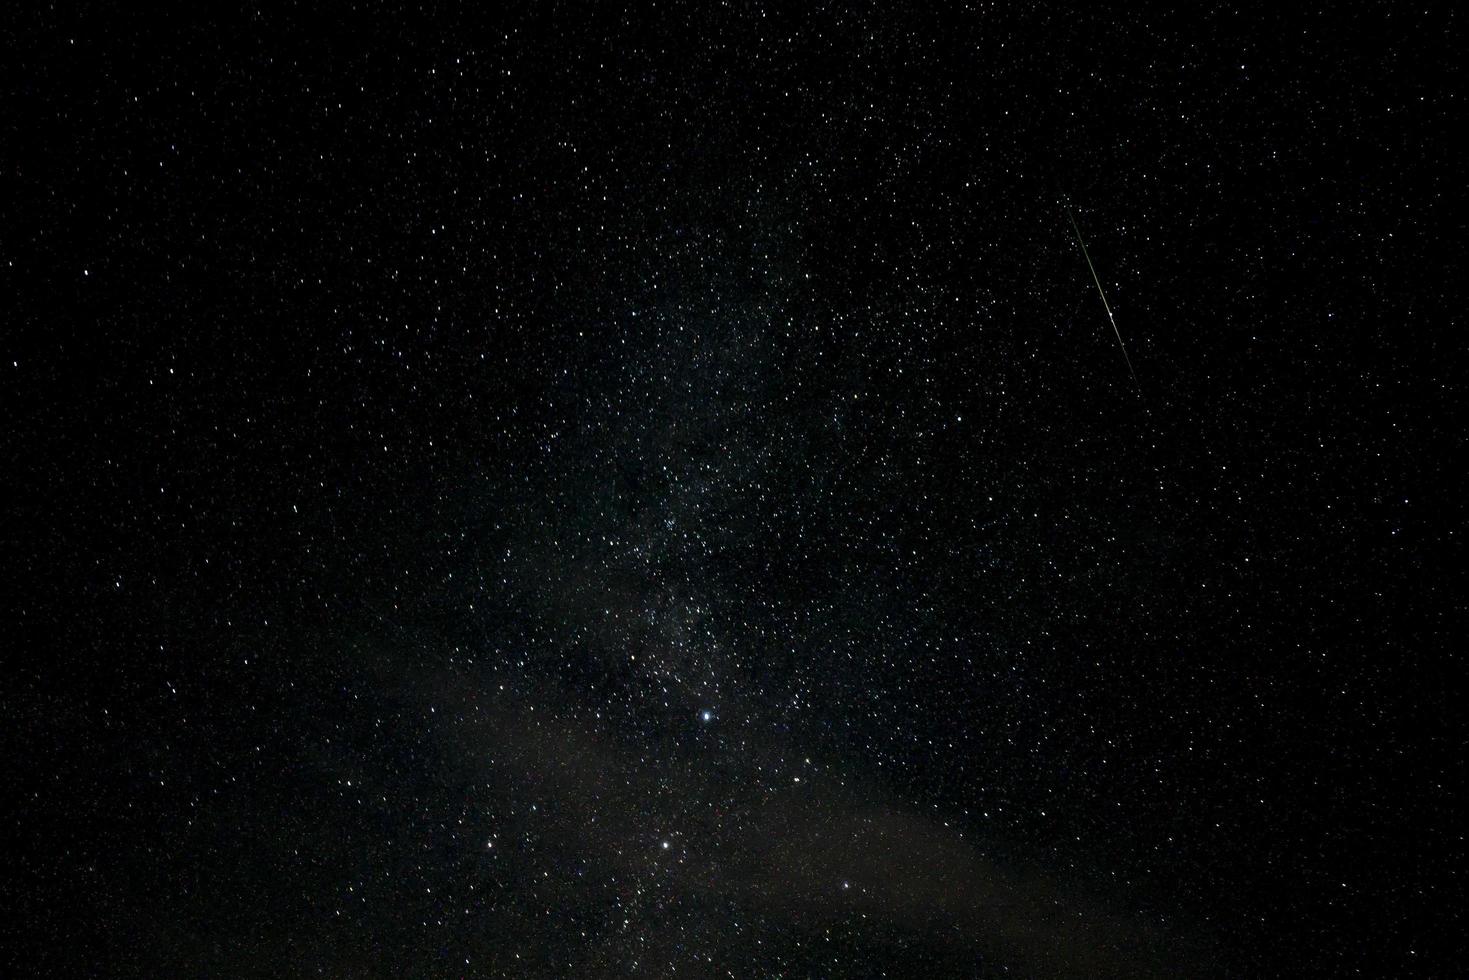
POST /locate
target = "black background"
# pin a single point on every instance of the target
(593, 492)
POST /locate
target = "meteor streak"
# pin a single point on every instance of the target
(1105, 305)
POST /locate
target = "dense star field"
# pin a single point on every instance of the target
(583, 492)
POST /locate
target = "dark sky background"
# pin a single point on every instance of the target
(593, 492)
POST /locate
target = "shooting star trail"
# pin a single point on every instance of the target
(1105, 305)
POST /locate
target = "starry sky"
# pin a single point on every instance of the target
(595, 491)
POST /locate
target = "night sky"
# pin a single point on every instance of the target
(595, 492)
